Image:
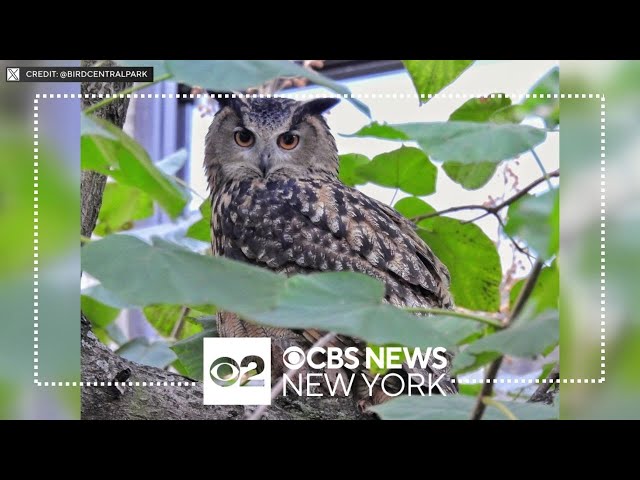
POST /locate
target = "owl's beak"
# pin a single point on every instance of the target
(265, 163)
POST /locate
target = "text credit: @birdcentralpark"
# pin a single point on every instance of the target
(79, 74)
(237, 371)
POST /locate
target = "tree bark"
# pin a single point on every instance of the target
(92, 183)
(99, 364)
(173, 402)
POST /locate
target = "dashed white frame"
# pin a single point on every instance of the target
(303, 96)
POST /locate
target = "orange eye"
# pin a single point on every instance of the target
(244, 138)
(288, 141)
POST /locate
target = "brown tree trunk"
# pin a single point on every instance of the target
(92, 183)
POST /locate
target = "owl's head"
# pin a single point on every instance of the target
(263, 137)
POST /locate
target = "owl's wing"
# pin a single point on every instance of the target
(296, 226)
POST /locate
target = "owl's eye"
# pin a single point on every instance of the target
(288, 141)
(244, 138)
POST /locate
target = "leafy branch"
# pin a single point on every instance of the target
(492, 371)
(493, 210)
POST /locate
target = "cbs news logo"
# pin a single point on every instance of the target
(237, 371)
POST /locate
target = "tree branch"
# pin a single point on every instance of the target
(456, 313)
(494, 367)
(92, 183)
(542, 393)
(490, 210)
(127, 402)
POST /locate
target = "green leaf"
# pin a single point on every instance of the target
(128, 163)
(164, 318)
(350, 304)
(170, 164)
(548, 84)
(407, 168)
(98, 313)
(90, 126)
(121, 206)
(378, 130)
(455, 329)
(116, 334)
(535, 219)
(480, 109)
(523, 339)
(431, 76)
(475, 175)
(547, 108)
(344, 302)
(545, 293)
(472, 142)
(465, 362)
(472, 260)
(189, 352)
(412, 207)
(201, 230)
(164, 273)
(142, 350)
(208, 322)
(348, 169)
(238, 75)
(102, 295)
(469, 389)
(470, 176)
(457, 407)
(511, 114)
(546, 370)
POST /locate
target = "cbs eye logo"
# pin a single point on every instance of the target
(226, 372)
(237, 371)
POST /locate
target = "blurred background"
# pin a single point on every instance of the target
(165, 126)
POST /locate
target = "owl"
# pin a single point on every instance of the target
(277, 203)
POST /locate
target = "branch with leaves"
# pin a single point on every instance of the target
(494, 367)
(490, 210)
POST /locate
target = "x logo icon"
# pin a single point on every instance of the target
(13, 74)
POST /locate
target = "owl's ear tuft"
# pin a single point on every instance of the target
(227, 99)
(313, 107)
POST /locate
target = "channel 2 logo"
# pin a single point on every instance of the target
(237, 371)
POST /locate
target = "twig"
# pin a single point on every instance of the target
(179, 326)
(511, 239)
(455, 313)
(492, 371)
(500, 406)
(542, 169)
(186, 185)
(275, 391)
(540, 395)
(393, 198)
(517, 196)
(490, 210)
(526, 291)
